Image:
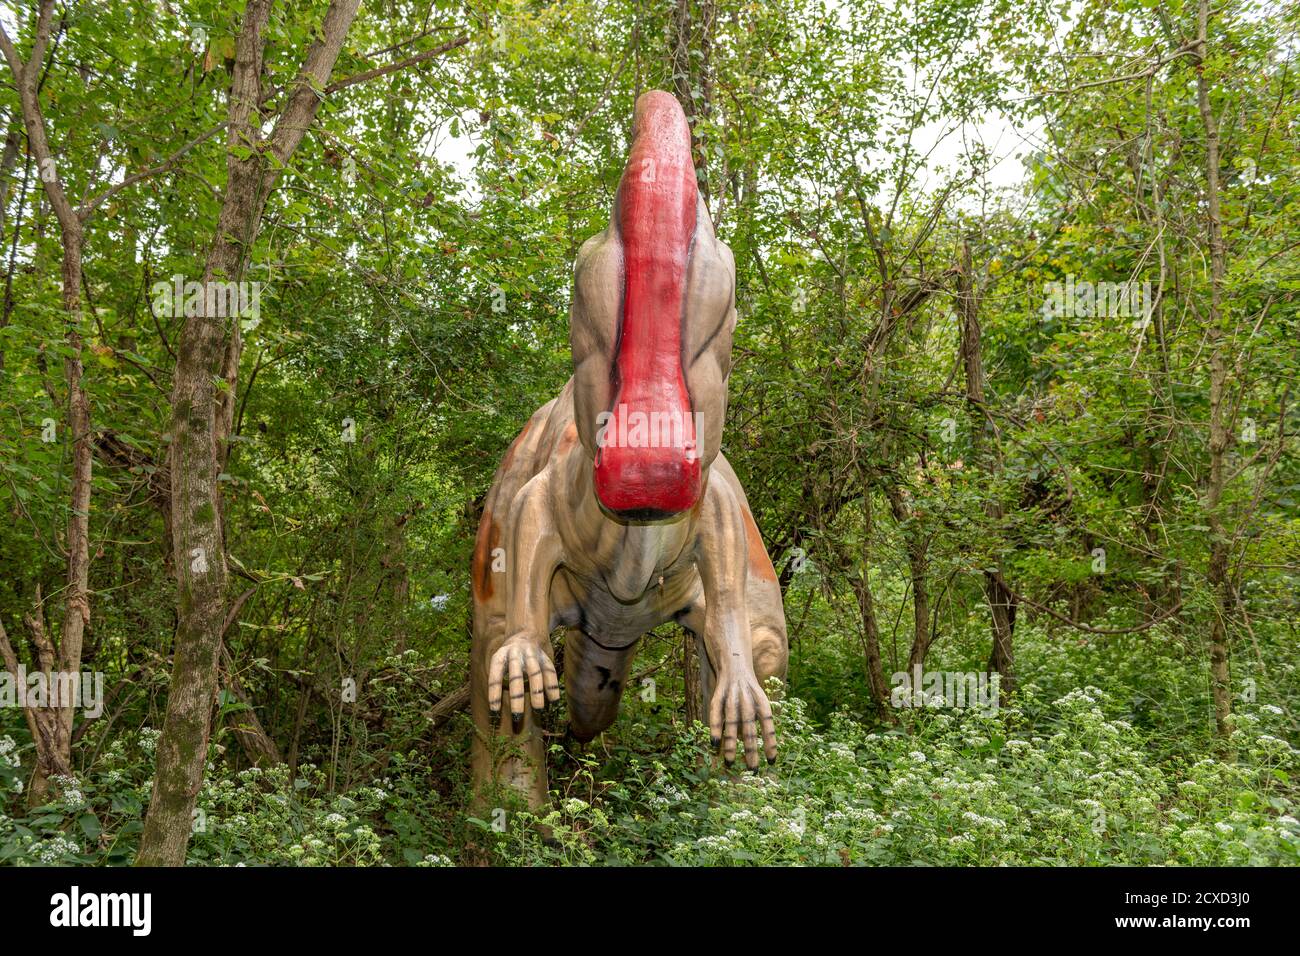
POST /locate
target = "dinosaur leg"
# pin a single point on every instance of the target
(594, 680)
(739, 711)
(513, 758)
(771, 650)
(488, 588)
(515, 646)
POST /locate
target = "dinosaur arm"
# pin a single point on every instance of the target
(739, 709)
(535, 552)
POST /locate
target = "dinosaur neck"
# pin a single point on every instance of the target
(648, 463)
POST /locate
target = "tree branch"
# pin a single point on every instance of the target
(1079, 625)
(162, 167)
(399, 65)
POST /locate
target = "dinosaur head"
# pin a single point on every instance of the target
(650, 327)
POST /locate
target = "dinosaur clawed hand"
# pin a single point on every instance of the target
(522, 655)
(739, 710)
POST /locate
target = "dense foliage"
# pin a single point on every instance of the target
(1109, 520)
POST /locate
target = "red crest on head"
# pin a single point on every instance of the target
(647, 462)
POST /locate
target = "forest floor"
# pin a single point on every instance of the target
(1065, 775)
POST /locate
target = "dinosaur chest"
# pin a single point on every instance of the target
(633, 587)
(616, 623)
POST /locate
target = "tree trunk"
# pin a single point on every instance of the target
(77, 602)
(1217, 571)
(690, 61)
(1002, 605)
(870, 625)
(201, 420)
(692, 682)
(54, 746)
(257, 744)
(918, 562)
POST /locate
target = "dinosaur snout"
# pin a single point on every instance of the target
(647, 460)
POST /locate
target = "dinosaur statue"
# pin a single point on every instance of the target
(614, 510)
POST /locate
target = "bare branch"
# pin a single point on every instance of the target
(144, 174)
(399, 65)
